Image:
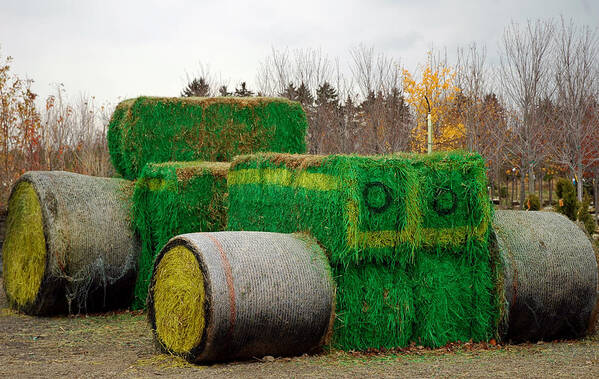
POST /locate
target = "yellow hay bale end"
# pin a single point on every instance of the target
(24, 248)
(179, 300)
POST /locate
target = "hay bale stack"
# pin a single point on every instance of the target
(549, 275)
(148, 129)
(69, 246)
(174, 198)
(237, 295)
(407, 237)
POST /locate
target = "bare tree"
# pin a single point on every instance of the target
(525, 76)
(577, 53)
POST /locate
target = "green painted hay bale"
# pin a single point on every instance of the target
(174, 198)
(425, 218)
(148, 129)
(374, 209)
(549, 276)
(238, 295)
(69, 246)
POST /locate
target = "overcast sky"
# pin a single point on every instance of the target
(119, 49)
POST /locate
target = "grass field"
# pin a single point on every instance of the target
(120, 344)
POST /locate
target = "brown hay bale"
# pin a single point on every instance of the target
(549, 275)
(235, 295)
(69, 245)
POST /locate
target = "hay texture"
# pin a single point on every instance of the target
(236, 295)
(407, 237)
(174, 198)
(148, 129)
(69, 246)
(549, 275)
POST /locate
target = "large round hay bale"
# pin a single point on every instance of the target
(69, 246)
(549, 275)
(234, 295)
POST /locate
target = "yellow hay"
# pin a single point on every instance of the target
(179, 300)
(24, 249)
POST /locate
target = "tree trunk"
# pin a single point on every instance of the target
(531, 179)
(513, 190)
(579, 188)
(522, 190)
(541, 190)
(597, 196)
(550, 191)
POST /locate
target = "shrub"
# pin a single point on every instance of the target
(533, 203)
(567, 203)
(585, 217)
(503, 192)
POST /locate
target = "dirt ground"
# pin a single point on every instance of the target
(120, 344)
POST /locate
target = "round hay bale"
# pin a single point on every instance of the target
(235, 295)
(69, 245)
(549, 276)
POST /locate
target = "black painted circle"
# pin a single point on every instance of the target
(377, 209)
(445, 211)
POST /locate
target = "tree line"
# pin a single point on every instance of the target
(534, 115)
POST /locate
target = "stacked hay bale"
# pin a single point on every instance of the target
(174, 198)
(407, 236)
(549, 276)
(69, 246)
(147, 129)
(238, 295)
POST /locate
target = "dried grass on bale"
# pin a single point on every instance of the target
(69, 246)
(549, 275)
(174, 198)
(152, 129)
(236, 295)
(423, 218)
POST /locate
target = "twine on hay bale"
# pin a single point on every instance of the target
(236, 295)
(154, 129)
(173, 198)
(424, 218)
(69, 246)
(549, 276)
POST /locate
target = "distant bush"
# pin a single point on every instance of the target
(585, 217)
(567, 203)
(533, 203)
(503, 192)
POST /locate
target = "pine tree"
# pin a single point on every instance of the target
(243, 91)
(304, 96)
(290, 92)
(223, 91)
(326, 95)
(196, 88)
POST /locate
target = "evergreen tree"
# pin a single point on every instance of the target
(304, 96)
(243, 91)
(290, 92)
(326, 95)
(223, 91)
(196, 88)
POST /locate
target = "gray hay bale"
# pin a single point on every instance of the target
(69, 246)
(549, 276)
(262, 294)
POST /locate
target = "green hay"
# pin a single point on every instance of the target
(384, 213)
(179, 299)
(373, 209)
(174, 198)
(374, 303)
(148, 129)
(24, 249)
